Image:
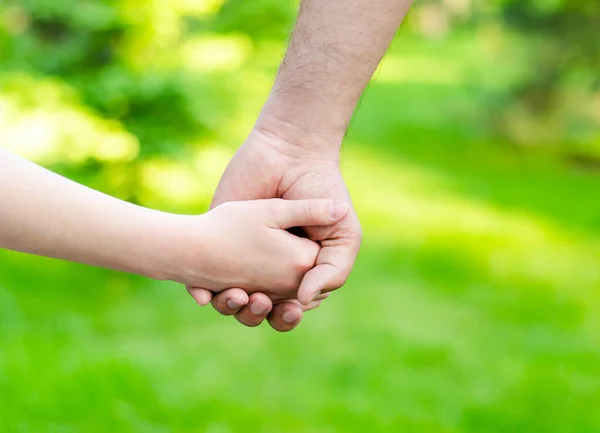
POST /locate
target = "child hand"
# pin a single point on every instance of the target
(236, 245)
(246, 245)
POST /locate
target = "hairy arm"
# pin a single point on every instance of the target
(334, 51)
(335, 48)
(293, 151)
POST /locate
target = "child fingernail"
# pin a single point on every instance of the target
(338, 209)
(234, 303)
(289, 317)
(258, 309)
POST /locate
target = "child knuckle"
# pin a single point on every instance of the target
(312, 211)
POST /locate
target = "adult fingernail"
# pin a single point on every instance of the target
(258, 309)
(316, 295)
(338, 209)
(289, 317)
(234, 303)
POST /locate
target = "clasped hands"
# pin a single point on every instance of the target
(282, 275)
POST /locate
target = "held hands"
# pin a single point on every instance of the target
(251, 248)
(269, 166)
(240, 251)
(239, 247)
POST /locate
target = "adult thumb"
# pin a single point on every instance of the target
(303, 213)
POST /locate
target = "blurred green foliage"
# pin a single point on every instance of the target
(474, 305)
(561, 92)
(124, 60)
(551, 48)
(155, 71)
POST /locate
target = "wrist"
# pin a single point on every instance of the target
(325, 109)
(162, 245)
(179, 249)
(297, 139)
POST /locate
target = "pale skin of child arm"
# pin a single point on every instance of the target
(241, 244)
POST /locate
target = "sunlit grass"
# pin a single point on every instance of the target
(420, 210)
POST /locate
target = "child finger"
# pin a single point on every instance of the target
(230, 301)
(255, 312)
(200, 295)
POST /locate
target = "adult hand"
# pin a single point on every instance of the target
(268, 166)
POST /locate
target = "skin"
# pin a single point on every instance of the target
(242, 244)
(293, 152)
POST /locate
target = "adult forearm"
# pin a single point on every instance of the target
(45, 214)
(334, 50)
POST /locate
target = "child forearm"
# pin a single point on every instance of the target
(243, 244)
(45, 214)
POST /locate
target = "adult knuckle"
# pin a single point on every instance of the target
(338, 283)
(341, 277)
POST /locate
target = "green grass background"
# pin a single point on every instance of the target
(473, 306)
